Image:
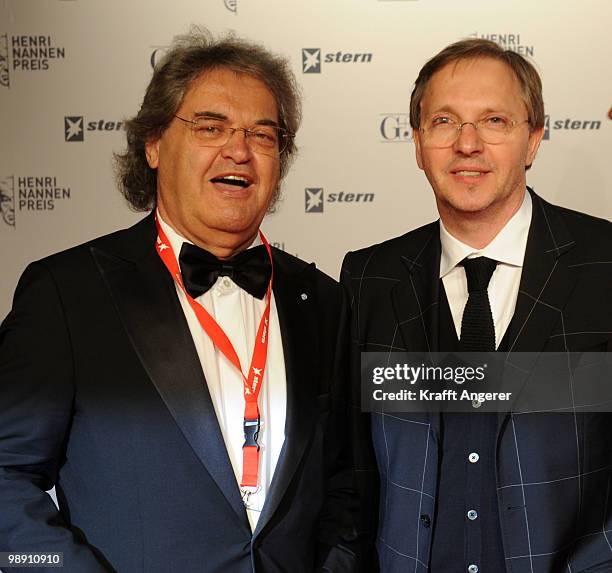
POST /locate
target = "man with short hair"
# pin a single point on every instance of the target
(181, 383)
(501, 271)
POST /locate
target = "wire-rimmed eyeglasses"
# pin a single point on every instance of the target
(266, 139)
(443, 131)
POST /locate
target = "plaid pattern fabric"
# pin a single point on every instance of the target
(554, 469)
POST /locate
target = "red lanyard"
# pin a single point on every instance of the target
(252, 382)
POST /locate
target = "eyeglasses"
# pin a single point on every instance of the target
(443, 131)
(266, 139)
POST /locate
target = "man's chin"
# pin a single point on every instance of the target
(470, 201)
(233, 221)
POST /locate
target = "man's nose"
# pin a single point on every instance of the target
(237, 146)
(468, 140)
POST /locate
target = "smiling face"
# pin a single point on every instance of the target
(216, 196)
(472, 177)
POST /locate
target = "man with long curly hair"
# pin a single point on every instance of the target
(181, 383)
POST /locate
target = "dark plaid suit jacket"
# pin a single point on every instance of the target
(553, 469)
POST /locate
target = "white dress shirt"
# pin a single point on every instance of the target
(238, 313)
(508, 249)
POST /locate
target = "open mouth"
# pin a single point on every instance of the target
(235, 180)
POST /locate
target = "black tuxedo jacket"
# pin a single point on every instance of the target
(553, 470)
(102, 395)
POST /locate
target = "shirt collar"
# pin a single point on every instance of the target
(507, 247)
(176, 240)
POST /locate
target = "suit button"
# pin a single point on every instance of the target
(472, 568)
(473, 457)
(472, 514)
(426, 520)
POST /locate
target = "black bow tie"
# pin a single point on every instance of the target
(250, 270)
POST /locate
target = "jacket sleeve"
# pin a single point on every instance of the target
(36, 397)
(337, 551)
(364, 459)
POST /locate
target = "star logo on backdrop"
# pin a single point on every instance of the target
(73, 128)
(311, 60)
(257, 371)
(314, 200)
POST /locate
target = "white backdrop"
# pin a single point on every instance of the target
(71, 70)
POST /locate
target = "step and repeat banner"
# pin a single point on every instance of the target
(71, 71)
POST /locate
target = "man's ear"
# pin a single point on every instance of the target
(152, 153)
(535, 137)
(416, 136)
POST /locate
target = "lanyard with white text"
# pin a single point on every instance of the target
(252, 382)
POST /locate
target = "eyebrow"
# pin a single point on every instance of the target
(211, 115)
(222, 117)
(269, 122)
(450, 109)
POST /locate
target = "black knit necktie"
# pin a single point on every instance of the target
(477, 329)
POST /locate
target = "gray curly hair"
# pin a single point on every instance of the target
(189, 57)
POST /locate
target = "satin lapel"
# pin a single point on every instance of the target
(415, 297)
(146, 300)
(298, 325)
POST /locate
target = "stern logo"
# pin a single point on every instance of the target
(569, 124)
(311, 60)
(314, 200)
(7, 200)
(73, 128)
